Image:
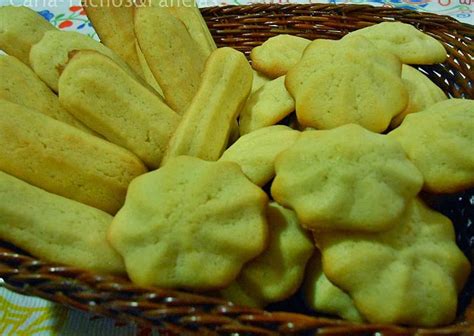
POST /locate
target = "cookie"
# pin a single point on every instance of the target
(278, 54)
(21, 28)
(277, 273)
(170, 53)
(347, 81)
(20, 85)
(410, 274)
(147, 74)
(266, 106)
(113, 23)
(205, 127)
(409, 44)
(196, 221)
(256, 152)
(323, 296)
(440, 142)
(64, 160)
(55, 228)
(422, 93)
(258, 80)
(125, 112)
(188, 13)
(346, 179)
(49, 56)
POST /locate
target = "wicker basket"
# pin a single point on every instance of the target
(182, 313)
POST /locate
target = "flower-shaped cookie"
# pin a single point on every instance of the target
(277, 273)
(422, 93)
(440, 142)
(347, 178)
(323, 296)
(190, 224)
(410, 274)
(347, 81)
(409, 44)
(255, 152)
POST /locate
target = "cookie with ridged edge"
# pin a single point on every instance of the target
(347, 81)
(256, 152)
(191, 224)
(409, 44)
(278, 272)
(440, 142)
(422, 93)
(347, 178)
(408, 275)
(323, 296)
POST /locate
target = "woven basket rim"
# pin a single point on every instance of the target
(184, 313)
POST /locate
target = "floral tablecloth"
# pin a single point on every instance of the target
(29, 316)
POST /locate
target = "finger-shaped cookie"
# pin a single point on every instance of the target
(64, 160)
(258, 80)
(206, 125)
(409, 44)
(49, 56)
(171, 54)
(147, 74)
(20, 85)
(125, 112)
(278, 54)
(410, 274)
(440, 142)
(277, 273)
(55, 228)
(113, 24)
(188, 13)
(256, 152)
(20, 28)
(196, 221)
(323, 296)
(422, 93)
(314, 175)
(267, 106)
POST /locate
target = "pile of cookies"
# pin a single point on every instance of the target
(157, 155)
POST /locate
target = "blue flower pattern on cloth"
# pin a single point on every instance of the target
(46, 14)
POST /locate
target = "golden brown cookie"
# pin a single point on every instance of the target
(55, 228)
(323, 296)
(410, 274)
(64, 160)
(346, 179)
(171, 54)
(196, 221)
(256, 152)
(266, 106)
(440, 142)
(278, 272)
(422, 93)
(347, 81)
(278, 54)
(104, 97)
(205, 128)
(20, 85)
(409, 44)
(21, 27)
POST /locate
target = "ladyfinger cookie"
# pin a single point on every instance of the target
(188, 13)
(49, 56)
(206, 125)
(55, 228)
(20, 85)
(64, 160)
(20, 28)
(171, 54)
(104, 97)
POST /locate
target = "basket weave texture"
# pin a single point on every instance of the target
(180, 313)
